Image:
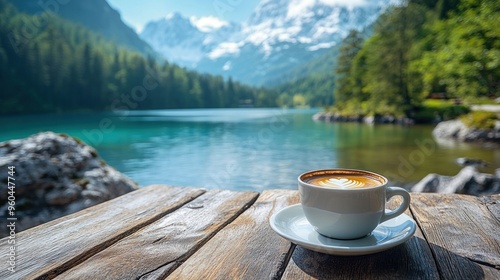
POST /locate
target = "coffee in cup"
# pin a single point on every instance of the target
(347, 203)
(344, 180)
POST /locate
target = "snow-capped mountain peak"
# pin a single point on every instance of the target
(279, 32)
(186, 41)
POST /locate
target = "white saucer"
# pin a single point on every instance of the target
(291, 224)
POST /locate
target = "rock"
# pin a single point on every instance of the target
(320, 116)
(61, 197)
(329, 117)
(430, 183)
(369, 119)
(56, 175)
(467, 181)
(462, 161)
(457, 130)
(449, 129)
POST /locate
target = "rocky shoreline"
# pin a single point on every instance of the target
(55, 175)
(331, 117)
(457, 130)
(450, 130)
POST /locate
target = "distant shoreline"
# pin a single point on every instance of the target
(332, 117)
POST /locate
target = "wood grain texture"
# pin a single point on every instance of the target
(410, 260)
(492, 202)
(160, 247)
(162, 232)
(47, 250)
(462, 233)
(245, 249)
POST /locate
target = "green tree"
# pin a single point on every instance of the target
(396, 33)
(464, 60)
(61, 66)
(345, 81)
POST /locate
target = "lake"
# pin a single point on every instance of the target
(249, 149)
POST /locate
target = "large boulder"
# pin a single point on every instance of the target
(55, 175)
(457, 130)
(467, 181)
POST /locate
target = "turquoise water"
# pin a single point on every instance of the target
(249, 149)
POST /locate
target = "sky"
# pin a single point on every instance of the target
(138, 13)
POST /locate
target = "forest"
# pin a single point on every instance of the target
(423, 49)
(48, 64)
(417, 50)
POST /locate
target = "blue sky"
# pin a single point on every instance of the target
(138, 13)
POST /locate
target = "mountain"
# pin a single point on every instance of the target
(96, 15)
(61, 66)
(280, 35)
(186, 41)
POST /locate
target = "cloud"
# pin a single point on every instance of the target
(224, 49)
(297, 7)
(208, 24)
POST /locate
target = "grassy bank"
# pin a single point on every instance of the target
(431, 111)
(434, 110)
(480, 119)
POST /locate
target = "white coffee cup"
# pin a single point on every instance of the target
(347, 203)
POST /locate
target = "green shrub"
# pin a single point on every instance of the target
(480, 119)
(482, 100)
(433, 110)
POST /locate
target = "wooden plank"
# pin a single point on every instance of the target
(160, 247)
(410, 260)
(462, 233)
(51, 248)
(245, 249)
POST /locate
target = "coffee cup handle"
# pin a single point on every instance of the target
(395, 191)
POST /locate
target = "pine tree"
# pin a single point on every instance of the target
(345, 82)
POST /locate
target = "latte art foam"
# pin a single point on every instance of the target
(354, 182)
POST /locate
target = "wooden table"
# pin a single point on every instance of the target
(162, 232)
